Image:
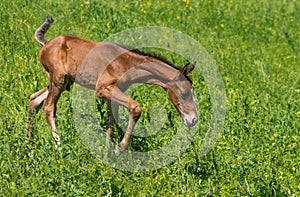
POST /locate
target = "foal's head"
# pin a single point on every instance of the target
(180, 91)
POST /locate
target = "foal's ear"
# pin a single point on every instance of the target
(188, 68)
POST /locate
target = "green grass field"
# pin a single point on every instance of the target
(256, 47)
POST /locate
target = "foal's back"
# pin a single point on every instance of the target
(82, 60)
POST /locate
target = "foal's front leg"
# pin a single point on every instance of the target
(114, 94)
(112, 118)
(110, 121)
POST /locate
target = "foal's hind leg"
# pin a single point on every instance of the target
(50, 108)
(36, 102)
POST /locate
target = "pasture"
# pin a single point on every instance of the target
(256, 47)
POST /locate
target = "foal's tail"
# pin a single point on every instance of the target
(40, 32)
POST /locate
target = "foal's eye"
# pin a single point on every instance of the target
(185, 95)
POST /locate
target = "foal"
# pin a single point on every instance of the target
(109, 69)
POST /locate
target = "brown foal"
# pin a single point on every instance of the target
(110, 69)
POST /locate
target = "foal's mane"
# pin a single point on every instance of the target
(153, 55)
(149, 54)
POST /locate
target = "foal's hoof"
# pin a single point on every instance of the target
(56, 138)
(118, 150)
(27, 140)
(109, 144)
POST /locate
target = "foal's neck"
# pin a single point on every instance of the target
(157, 70)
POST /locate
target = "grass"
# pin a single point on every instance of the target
(256, 47)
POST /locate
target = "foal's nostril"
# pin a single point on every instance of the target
(194, 121)
(190, 121)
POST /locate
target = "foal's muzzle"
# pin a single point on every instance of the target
(190, 120)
